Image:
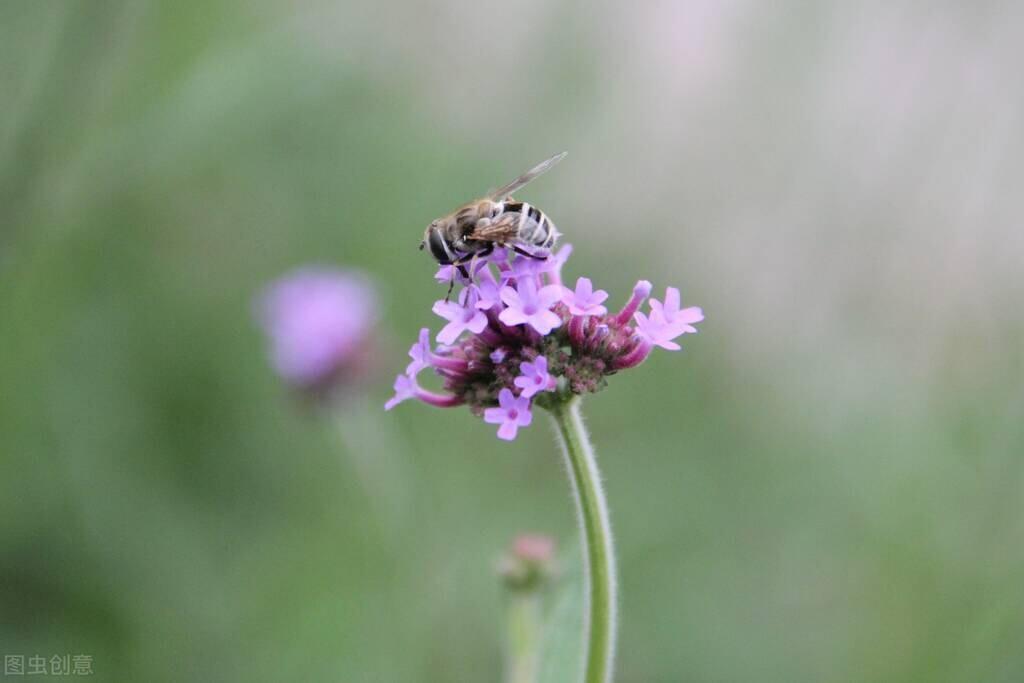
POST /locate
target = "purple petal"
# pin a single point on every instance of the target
(513, 316)
(494, 416)
(506, 399)
(507, 431)
(693, 314)
(447, 310)
(477, 323)
(511, 297)
(549, 295)
(450, 332)
(405, 388)
(544, 321)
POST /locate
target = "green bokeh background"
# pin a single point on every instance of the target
(826, 485)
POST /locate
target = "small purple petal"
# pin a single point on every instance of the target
(681, 320)
(556, 261)
(655, 330)
(405, 388)
(420, 353)
(488, 290)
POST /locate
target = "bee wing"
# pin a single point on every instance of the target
(543, 167)
(502, 230)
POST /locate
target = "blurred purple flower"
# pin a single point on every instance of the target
(320, 322)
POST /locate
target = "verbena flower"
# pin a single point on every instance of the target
(584, 300)
(535, 378)
(320, 323)
(517, 337)
(511, 413)
(461, 316)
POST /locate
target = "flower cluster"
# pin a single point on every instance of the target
(516, 337)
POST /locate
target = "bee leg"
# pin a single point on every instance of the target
(483, 253)
(523, 252)
(461, 265)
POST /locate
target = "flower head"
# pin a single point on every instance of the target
(511, 413)
(320, 322)
(517, 338)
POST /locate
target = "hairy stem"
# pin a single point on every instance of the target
(596, 533)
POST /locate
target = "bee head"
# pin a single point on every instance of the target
(438, 247)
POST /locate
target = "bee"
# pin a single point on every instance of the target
(475, 229)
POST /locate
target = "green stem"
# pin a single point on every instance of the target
(596, 532)
(524, 632)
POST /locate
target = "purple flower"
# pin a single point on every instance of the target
(511, 413)
(528, 305)
(534, 378)
(556, 261)
(656, 330)
(405, 388)
(524, 267)
(461, 316)
(529, 335)
(320, 322)
(420, 353)
(445, 274)
(585, 301)
(672, 315)
(488, 290)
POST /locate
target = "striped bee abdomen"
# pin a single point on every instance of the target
(535, 228)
